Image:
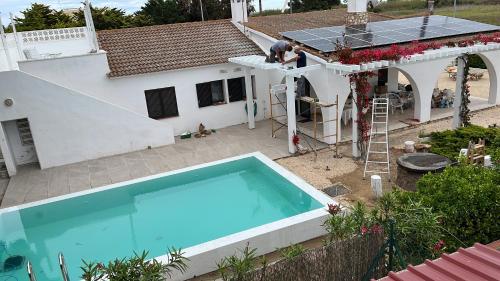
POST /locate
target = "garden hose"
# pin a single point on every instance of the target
(254, 108)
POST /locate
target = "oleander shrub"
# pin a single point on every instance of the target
(467, 198)
(448, 143)
(135, 268)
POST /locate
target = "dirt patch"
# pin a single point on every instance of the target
(319, 172)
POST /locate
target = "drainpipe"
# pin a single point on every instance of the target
(18, 44)
(4, 44)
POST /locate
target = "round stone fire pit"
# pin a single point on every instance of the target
(413, 166)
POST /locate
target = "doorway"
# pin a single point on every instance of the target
(20, 141)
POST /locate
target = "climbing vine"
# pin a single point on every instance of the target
(359, 83)
(362, 103)
(464, 105)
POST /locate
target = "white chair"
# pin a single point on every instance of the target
(395, 102)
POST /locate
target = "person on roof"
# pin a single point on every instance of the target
(300, 57)
(277, 52)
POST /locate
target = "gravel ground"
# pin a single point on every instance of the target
(350, 172)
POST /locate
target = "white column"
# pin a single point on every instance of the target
(249, 94)
(355, 151)
(392, 79)
(4, 44)
(458, 93)
(290, 111)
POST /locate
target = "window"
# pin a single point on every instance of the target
(161, 103)
(237, 89)
(210, 93)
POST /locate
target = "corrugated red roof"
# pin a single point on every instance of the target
(476, 263)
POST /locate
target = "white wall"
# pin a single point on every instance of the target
(69, 127)
(64, 47)
(88, 74)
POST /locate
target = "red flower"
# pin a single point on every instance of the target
(439, 245)
(333, 209)
(295, 139)
(364, 230)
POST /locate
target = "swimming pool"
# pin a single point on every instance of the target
(208, 210)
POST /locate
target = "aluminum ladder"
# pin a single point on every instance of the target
(377, 155)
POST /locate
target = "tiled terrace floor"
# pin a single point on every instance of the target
(31, 183)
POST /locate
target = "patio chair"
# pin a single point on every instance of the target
(395, 102)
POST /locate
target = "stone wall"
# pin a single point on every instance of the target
(356, 18)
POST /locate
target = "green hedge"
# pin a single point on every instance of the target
(468, 199)
(448, 143)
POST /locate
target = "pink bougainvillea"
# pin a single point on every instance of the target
(346, 55)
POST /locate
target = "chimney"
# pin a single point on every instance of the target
(239, 11)
(356, 12)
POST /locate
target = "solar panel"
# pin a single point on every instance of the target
(387, 32)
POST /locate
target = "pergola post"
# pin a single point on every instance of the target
(355, 150)
(249, 94)
(457, 102)
(290, 110)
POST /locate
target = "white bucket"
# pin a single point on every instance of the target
(376, 182)
(463, 152)
(487, 161)
(409, 146)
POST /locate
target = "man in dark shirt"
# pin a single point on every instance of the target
(300, 57)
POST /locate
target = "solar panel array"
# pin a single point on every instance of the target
(387, 32)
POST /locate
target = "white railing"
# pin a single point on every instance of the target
(47, 35)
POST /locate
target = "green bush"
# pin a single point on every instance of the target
(136, 268)
(417, 228)
(468, 199)
(448, 143)
(476, 62)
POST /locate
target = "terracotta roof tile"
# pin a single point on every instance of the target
(173, 46)
(476, 263)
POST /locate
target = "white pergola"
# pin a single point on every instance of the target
(258, 62)
(428, 55)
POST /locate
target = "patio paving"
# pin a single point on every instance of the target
(32, 184)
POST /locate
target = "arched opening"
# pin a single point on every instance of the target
(446, 87)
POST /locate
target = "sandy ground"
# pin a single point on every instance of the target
(350, 172)
(479, 88)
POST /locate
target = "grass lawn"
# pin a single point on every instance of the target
(481, 13)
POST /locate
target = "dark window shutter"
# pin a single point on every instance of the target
(236, 89)
(161, 103)
(153, 102)
(204, 93)
(169, 102)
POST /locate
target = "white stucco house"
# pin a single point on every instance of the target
(71, 95)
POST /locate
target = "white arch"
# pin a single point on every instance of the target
(492, 59)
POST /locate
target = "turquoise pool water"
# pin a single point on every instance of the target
(180, 210)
